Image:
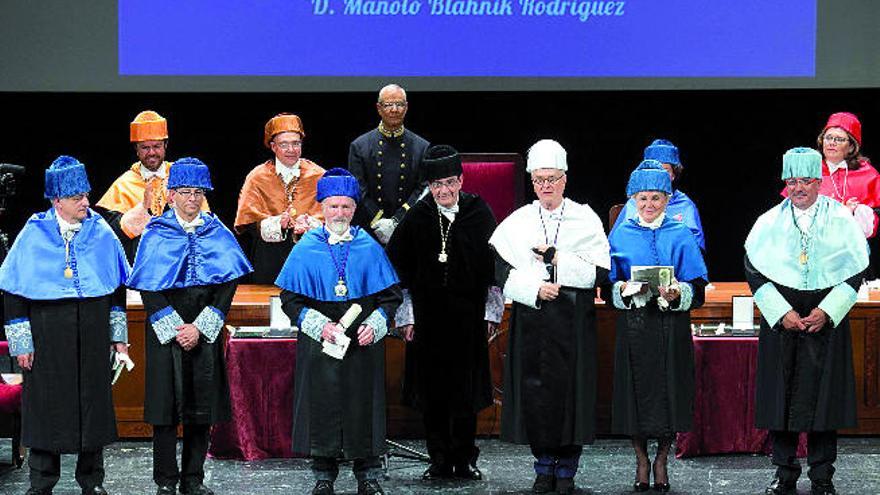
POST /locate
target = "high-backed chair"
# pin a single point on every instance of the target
(613, 213)
(10, 413)
(497, 177)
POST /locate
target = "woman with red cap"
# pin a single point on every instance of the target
(847, 176)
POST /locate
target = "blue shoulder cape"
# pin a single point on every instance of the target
(310, 271)
(34, 267)
(672, 244)
(680, 208)
(169, 258)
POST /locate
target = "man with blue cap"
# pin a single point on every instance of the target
(680, 206)
(65, 312)
(187, 267)
(804, 262)
(341, 290)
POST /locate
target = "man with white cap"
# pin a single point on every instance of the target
(805, 258)
(139, 194)
(550, 256)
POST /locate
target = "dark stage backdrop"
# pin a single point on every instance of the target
(731, 142)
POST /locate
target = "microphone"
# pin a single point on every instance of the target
(8, 168)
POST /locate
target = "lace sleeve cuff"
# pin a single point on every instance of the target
(311, 323)
(404, 315)
(165, 323)
(270, 229)
(494, 304)
(379, 322)
(686, 298)
(616, 298)
(18, 333)
(118, 325)
(210, 322)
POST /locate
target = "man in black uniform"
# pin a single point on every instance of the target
(387, 164)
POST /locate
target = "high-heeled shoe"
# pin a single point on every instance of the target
(660, 486)
(641, 486)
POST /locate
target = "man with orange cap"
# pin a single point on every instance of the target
(139, 194)
(277, 203)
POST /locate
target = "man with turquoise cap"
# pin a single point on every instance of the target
(65, 313)
(187, 268)
(804, 262)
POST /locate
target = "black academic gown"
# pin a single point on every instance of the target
(805, 381)
(129, 245)
(447, 363)
(550, 370)
(188, 387)
(267, 257)
(67, 403)
(390, 174)
(654, 369)
(339, 405)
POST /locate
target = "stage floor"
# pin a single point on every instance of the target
(607, 467)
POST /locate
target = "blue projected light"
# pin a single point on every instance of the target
(448, 38)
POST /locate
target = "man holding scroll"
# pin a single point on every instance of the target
(340, 289)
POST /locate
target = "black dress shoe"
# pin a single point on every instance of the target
(199, 489)
(437, 472)
(468, 473)
(779, 487)
(565, 486)
(822, 488)
(544, 483)
(98, 490)
(167, 490)
(323, 487)
(370, 487)
(641, 486)
(661, 487)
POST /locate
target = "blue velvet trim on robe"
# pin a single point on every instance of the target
(170, 258)
(310, 270)
(34, 267)
(670, 244)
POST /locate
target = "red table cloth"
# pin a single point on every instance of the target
(261, 375)
(724, 403)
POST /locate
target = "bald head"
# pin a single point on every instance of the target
(392, 106)
(392, 91)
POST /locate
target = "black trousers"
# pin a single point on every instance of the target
(821, 454)
(451, 439)
(45, 469)
(195, 449)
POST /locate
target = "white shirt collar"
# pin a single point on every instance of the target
(554, 214)
(148, 174)
(287, 173)
(190, 227)
(335, 238)
(655, 224)
(450, 212)
(834, 167)
(66, 228)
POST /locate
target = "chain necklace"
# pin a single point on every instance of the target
(444, 235)
(290, 189)
(558, 225)
(806, 238)
(341, 289)
(839, 194)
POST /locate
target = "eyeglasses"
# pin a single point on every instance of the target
(288, 145)
(835, 139)
(547, 181)
(387, 105)
(191, 193)
(448, 184)
(804, 181)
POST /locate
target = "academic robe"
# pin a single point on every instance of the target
(805, 381)
(122, 205)
(550, 371)
(448, 360)
(390, 174)
(339, 405)
(69, 325)
(186, 278)
(680, 208)
(654, 356)
(265, 195)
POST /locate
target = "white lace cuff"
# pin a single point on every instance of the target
(165, 323)
(574, 271)
(494, 304)
(118, 325)
(616, 298)
(379, 323)
(838, 302)
(311, 323)
(523, 288)
(686, 297)
(404, 315)
(864, 216)
(18, 333)
(270, 229)
(210, 322)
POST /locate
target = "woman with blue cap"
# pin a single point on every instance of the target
(654, 364)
